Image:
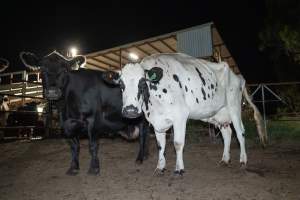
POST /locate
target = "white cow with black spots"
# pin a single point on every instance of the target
(172, 88)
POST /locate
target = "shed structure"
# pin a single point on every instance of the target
(203, 41)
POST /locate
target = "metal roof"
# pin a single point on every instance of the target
(115, 58)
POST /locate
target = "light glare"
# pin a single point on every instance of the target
(133, 56)
(73, 51)
(40, 109)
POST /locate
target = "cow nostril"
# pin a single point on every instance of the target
(130, 110)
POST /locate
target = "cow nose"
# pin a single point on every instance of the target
(131, 112)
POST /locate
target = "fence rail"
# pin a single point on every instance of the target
(19, 88)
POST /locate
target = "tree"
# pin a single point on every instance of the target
(281, 33)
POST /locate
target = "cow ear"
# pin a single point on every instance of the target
(111, 77)
(3, 64)
(77, 62)
(30, 60)
(154, 74)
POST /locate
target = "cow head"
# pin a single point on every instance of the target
(54, 68)
(3, 64)
(134, 90)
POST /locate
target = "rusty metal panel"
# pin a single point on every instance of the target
(196, 42)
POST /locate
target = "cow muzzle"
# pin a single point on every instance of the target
(53, 93)
(131, 112)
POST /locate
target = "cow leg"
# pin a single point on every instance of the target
(75, 148)
(143, 140)
(226, 133)
(93, 148)
(179, 140)
(239, 129)
(161, 143)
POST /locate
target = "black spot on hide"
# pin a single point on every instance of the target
(152, 86)
(143, 91)
(175, 77)
(165, 90)
(204, 94)
(186, 89)
(200, 75)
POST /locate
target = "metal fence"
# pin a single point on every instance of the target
(21, 88)
(279, 104)
(276, 101)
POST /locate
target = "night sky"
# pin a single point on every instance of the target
(43, 26)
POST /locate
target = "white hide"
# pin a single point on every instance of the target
(203, 90)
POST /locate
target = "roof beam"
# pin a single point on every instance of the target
(111, 59)
(106, 63)
(124, 58)
(153, 39)
(97, 66)
(167, 45)
(153, 47)
(146, 41)
(142, 50)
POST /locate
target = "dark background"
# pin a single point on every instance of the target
(44, 26)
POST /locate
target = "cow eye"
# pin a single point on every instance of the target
(122, 86)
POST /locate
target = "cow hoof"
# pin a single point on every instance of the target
(139, 161)
(243, 166)
(179, 172)
(94, 171)
(159, 172)
(72, 172)
(223, 163)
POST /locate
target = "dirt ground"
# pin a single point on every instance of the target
(36, 170)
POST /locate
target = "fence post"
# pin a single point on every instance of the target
(264, 108)
(24, 86)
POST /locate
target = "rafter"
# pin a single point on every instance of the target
(111, 60)
(108, 57)
(153, 47)
(142, 50)
(124, 58)
(97, 66)
(106, 63)
(167, 45)
(131, 44)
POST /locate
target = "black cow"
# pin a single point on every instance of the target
(88, 103)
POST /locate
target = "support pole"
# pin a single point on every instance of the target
(263, 103)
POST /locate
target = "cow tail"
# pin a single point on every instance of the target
(257, 117)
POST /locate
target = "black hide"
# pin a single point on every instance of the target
(92, 105)
(143, 90)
